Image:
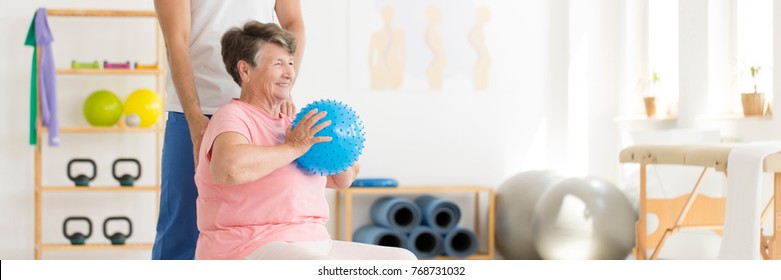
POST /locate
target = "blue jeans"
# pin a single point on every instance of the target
(177, 230)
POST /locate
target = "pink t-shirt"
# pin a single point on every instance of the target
(288, 204)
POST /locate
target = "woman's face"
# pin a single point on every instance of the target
(274, 73)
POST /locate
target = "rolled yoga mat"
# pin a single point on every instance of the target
(396, 213)
(440, 214)
(377, 235)
(460, 243)
(425, 243)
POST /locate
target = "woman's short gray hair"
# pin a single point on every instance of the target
(244, 44)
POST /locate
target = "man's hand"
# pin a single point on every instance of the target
(197, 126)
(288, 109)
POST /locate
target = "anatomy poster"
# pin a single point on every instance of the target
(421, 46)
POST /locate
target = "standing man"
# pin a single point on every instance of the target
(196, 85)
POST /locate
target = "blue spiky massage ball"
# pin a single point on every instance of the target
(346, 131)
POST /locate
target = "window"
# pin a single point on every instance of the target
(663, 52)
(755, 46)
(739, 37)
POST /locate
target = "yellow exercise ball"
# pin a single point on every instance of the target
(146, 105)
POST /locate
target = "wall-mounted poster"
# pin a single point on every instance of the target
(418, 46)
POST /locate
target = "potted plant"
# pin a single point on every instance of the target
(753, 102)
(650, 99)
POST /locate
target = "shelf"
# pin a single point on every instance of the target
(634, 118)
(728, 117)
(69, 71)
(99, 13)
(101, 129)
(476, 256)
(344, 229)
(100, 189)
(95, 247)
(412, 190)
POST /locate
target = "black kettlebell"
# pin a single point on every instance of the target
(118, 238)
(77, 238)
(126, 180)
(82, 180)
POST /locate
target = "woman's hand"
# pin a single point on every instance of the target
(345, 179)
(303, 137)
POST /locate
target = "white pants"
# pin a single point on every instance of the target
(328, 250)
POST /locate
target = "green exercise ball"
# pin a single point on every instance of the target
(102, 108)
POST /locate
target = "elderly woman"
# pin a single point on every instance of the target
(254, 202)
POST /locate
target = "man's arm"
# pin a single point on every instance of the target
(174, 18)
(291, 19)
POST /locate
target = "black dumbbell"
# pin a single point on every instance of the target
(126, 180)
(118, 238)
(82, 180)
(77, 238)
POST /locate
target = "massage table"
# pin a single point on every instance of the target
(693, 210)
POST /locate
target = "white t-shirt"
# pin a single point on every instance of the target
(209, 21)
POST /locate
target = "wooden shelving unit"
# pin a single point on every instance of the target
(344, 199)
(157, 130)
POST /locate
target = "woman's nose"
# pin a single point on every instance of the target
(289, 73)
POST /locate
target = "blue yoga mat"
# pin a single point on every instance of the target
(377, 235)
(396, 213)
(375, 183)
(460, 243)
(440, 214)
(425, 243)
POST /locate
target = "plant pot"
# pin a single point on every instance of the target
(650, 106)
(753, 103)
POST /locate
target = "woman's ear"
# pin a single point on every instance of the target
(243, 68)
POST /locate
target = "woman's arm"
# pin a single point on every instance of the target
(345, 179)
(174, 18)
(235, 161)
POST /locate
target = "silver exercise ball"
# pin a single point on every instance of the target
(515, 200)
(132, 120)
(583, 218)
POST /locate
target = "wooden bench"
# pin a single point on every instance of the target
(693, 210)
